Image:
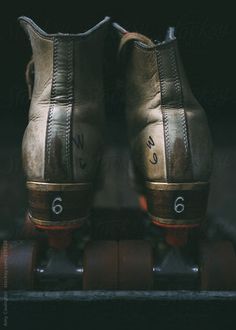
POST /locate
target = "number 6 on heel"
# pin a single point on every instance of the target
(177, 204)
(56, 207)
(59, 206)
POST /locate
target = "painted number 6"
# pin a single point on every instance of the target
(179, 204)
(56, 205)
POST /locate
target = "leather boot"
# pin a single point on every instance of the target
(168, 131)
(63, 141)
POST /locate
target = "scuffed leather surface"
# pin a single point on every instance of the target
(88, 108)
(33, 146)
(47, 154)
(160, 104)
(143, 112)
(58, 139)
(200, 140)
(178, 154)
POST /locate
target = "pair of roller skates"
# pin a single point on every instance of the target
(63, 143)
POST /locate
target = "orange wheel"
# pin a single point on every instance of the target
(17, 264)
(135, 265)
(217, 266)
(100, 265)
(123, 265)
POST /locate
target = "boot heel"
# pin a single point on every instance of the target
(177, 204)
(59, 206)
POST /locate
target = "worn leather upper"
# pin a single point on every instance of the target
(63, 139)
(168, 130)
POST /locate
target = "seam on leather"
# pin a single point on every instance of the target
(164, 113)
(69, 91)
(167, 140)
(177, 84)
(51, 108)
(178, 105)
(185, 134)
(68, 104)
(183, 113)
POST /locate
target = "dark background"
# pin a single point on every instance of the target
(206, 35)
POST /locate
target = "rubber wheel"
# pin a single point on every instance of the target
(123, 265)
(17, 264)
(135, 265)
(100, 264)
(217, 266)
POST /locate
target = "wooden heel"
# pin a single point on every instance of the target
(177, 204)
(59, 206)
